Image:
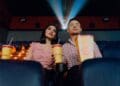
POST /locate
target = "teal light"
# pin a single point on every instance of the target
(58, 9)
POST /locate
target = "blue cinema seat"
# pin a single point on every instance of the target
(20, 73)
(109, 49)
(100, 72)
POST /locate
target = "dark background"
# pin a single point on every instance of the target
(41, 7)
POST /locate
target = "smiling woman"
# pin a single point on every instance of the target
(42, 53)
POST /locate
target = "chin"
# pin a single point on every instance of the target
(76, 32)
(51, 38)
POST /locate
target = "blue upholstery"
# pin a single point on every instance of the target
(100, 72)
(109, 49)
(20, 73)
(111, 52)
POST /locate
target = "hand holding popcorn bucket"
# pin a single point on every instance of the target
(57, 52)
(85, 45)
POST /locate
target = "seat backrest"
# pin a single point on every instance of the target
(20, 73)
(111, 52)
(101, 72)
(109, 49)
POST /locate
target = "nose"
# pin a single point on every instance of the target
(74, 26)
(52, 31)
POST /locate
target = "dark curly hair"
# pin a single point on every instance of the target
(43, 37)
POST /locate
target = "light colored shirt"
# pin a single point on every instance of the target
(71, 55)
(41, 53)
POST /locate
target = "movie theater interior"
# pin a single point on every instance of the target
(59, 42)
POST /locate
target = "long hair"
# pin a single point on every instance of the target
(43, 37)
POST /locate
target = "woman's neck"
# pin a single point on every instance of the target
(48, 41)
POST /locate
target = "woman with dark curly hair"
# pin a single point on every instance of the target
(42, 52)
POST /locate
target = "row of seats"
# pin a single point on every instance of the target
(94, 72)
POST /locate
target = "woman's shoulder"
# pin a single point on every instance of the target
(36, 44)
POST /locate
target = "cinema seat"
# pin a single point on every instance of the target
(100, 72)
(20, 73)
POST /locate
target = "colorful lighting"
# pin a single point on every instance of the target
(72, 11)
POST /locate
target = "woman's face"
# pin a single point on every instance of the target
(74, 27)
(50, 32)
